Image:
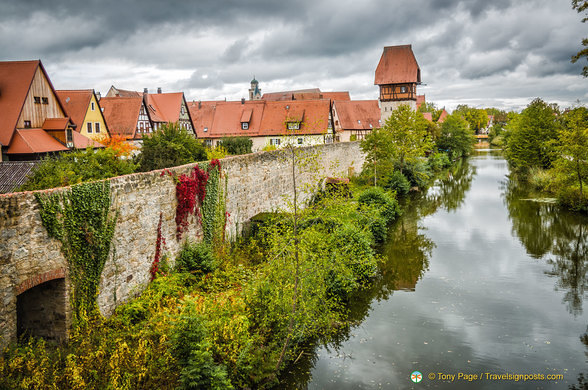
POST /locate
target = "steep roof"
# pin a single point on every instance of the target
(30, 141)
(13, 174)
(428, 116)
(121, 114)
(358, 114)
(15, 81)
(223, 119)
(165, 107)
(305, 94)
(397, 65)
(76, 104)
(443, 116)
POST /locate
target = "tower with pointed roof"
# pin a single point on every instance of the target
(254, 91)
(397, 75)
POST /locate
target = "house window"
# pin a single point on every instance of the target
(208, 142)
(300, 140)
(97, 127)
(244, 125)
(293, 125)
(182, 111)
(27, 124)
(92, 105)
(37, 100)
(403, 89)
(68, 137)
(45, 100)
(275, 141)
(205, 129)
(89, 125)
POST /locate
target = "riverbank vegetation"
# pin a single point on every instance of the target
(220, 316)
(548, 148)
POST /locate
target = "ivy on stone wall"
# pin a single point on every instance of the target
(201, 193)
(80, 218)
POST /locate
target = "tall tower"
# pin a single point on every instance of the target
(254, 91)
(397, 75)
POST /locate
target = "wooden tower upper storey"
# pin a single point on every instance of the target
(397, 75)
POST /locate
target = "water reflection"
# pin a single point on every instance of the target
(558, 236)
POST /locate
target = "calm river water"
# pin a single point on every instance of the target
(478, 280)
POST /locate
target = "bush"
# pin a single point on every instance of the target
(196, 258)
(417, 173)
(169, 146)
(76, 167)
(438, 161)
(376, 196)
(397, 182)
(190, 348)
(237, 145)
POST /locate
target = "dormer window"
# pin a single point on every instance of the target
(293, 125)
(358, 122)
(205, 129)
(244, 125)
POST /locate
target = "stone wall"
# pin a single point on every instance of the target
(254, 183)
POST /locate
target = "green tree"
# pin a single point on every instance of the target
(432, 108)
(572, 164)
(402, 139)
(477, 118)
(76, 167)
(531, 136)
(169, 146)
(581, 6)
(456, 137)
(237, 145)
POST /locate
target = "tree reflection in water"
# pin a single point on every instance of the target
(547, 231)
(406, 257)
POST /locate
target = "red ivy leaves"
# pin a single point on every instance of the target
(154, 270)
(188, 190)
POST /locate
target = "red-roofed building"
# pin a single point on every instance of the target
(443, 116)
(115, 92)
(304, 122)
(126, 117)
(33, 122)
(83, 109)
(305, 94)
(420, 100)
(397, 75)
(168, 108)
(355, 119)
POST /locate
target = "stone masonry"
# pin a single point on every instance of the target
(255, 183)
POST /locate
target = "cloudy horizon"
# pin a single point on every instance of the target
(485, 54)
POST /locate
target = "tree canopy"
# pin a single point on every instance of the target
(581, 6)
(169, 146)
(456, 137)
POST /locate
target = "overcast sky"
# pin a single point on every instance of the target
(498, 53)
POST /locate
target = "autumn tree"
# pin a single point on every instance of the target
(477, 118)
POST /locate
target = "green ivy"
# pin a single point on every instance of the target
(213, 205)
(80, 218)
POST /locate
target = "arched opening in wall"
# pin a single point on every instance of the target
(40, 311)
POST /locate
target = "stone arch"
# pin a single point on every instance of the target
(41, 306)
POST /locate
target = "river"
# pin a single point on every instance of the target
(477, 279)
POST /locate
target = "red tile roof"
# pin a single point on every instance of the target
(223, 119)
(80, 141)
(305, 94)
(56, 123)
(358, 114)
(29, 141)
(15, 80)
(428, 116)
(397, 65)
(76, 104)
(336, 95)
(121, 114)
(443, 116)
(313, 93)
(165, 107)
(124, 93)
